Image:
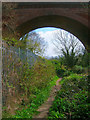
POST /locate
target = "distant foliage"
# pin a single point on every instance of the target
(84, 59)
(78, 69)
(60, 68)
(68, 46)
(33, 42)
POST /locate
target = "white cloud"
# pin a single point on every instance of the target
(49, 37)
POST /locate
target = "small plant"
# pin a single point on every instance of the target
(72, 100)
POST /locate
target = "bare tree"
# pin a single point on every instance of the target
(68, 46)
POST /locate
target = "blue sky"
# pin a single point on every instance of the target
(48, 34)
(45, 29)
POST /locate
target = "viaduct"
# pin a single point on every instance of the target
(72, 17)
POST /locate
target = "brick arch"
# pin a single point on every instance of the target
(76, 28)
(72, 17)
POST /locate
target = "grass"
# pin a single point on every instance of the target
(32, 87)
(37, 100)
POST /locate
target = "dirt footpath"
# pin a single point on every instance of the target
(44, 108)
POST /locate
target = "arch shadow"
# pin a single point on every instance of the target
(68, 24)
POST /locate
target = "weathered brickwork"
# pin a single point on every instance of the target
(72, 17)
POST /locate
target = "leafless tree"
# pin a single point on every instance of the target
(67, 45)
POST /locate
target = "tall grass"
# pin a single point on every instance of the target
(34, 84)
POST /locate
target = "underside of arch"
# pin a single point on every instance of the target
(70, 25)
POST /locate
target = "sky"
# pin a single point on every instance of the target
(48, 34)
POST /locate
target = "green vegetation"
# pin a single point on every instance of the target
(26, 87)
(30, 86)
(71, 101)
(35, 101)
(68, 47)
(34, 85)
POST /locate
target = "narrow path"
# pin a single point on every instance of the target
(44, 108)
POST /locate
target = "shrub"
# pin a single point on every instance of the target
(62, 71)
(72, 100)
(34, 84)
(78, 69)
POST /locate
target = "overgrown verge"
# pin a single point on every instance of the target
(72, 100)
(31, 87)
(36, 100)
